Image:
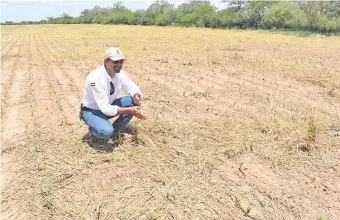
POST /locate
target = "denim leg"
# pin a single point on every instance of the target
(98, 123)
(124, 119)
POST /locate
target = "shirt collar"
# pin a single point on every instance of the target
(107, 76)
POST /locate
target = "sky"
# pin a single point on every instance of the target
(36, 10)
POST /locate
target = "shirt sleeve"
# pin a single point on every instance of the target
(102, 99)
(128, 86)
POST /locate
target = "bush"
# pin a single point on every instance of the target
(163, 19)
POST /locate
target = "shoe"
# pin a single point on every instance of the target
(128, 130)
(117, 136)
(90, 132)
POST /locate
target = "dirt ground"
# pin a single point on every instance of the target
(241, 125)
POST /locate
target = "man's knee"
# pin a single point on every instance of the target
(125, 101)
(128, 101)
(104, 132)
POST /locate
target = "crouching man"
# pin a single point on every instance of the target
(100, 102)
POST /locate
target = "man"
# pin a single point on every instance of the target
(100, 101)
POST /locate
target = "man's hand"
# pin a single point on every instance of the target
(136, 99)
(131, 110)
(135, 111)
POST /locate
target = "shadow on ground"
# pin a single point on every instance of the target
(99, 145)
(106, 146)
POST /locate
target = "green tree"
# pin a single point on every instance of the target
(84, 12)
(119, 7)
(285, 15)
(255, 12)
(159, 7)
(237, 5)
(66, 16)
(227, 18)
(125, 17)
(188, 20)
(205, 16)
(313, 15)
(163, 19)
(322, 16)
(141, 17)
(9, 23)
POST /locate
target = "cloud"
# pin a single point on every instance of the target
(38, 1)
(34, 10)
(125, 2)
(52, 2)
(74, 1)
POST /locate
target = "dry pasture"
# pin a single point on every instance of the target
(241, 125)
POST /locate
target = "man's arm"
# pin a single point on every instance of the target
(136, 99)
(129, 87)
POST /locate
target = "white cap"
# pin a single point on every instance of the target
(114, 54)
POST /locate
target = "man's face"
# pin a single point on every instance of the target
(115, 66)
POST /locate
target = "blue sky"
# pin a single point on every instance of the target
(35, 10)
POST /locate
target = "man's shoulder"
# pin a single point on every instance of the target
(96, 74)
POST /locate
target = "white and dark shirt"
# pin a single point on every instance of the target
(101, 90)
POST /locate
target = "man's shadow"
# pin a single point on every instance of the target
(99, 145)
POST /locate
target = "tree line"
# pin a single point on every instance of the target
(316, 16)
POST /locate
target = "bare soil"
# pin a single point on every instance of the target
(241, 125)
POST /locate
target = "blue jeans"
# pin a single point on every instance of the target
(99, 123)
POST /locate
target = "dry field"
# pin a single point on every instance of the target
(241, 125)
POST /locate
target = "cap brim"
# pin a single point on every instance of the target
(116, 58)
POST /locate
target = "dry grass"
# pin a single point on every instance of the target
(240, 125)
